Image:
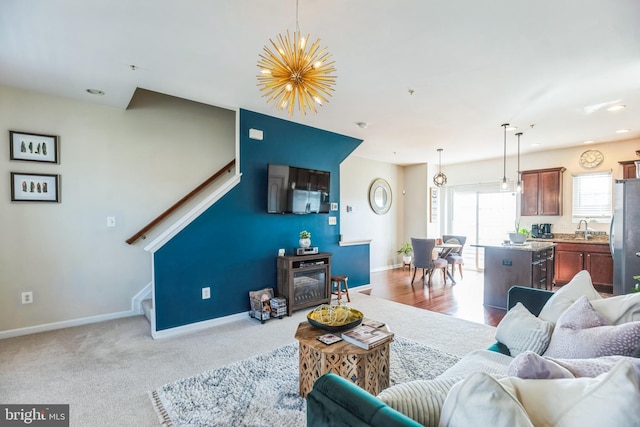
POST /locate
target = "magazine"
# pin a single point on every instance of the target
(367, 337)
(329, 339)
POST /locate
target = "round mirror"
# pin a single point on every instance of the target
(380, 196)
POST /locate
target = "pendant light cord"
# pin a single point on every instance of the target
(504, 157)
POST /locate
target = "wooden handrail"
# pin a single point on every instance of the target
(179, 203)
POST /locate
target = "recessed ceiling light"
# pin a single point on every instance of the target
(617, 107)
(512, 127)
(623, 130)
(362, 125)
(95, 92)
(535, 144)
(591, 141)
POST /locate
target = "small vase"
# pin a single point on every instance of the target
(304, 243)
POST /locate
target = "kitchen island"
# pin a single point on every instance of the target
(530, 264)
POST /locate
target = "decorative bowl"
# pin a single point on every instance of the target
(517, 237)
(334, 318)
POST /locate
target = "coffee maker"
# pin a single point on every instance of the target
(545, 231)
(541, 231)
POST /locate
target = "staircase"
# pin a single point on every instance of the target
(147, 306)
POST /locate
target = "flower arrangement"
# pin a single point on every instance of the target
(304, 234)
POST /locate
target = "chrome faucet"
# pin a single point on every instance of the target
(586, 228)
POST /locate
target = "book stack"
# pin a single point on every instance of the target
(367, 336)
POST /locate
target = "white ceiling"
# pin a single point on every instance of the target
(472, 65)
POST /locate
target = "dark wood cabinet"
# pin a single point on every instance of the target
(304, 280)
(628, 169)
(572, 258)
(542, 192)
(505, 267)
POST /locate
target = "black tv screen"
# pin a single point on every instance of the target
(297, 190)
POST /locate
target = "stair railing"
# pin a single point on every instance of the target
(144, 230)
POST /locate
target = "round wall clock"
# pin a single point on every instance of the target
(591, 159)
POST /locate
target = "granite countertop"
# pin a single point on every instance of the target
(598, 239)
(530, 246)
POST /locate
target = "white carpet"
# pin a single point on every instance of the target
(263, 390)
(106, 370)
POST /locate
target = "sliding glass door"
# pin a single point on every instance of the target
(485, 216)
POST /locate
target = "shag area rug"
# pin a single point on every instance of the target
(263, 390)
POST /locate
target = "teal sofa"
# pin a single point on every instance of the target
(337, 402)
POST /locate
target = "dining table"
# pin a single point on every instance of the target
(444, 250)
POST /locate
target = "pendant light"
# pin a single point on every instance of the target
(439, 179)
(504, 184)
(519, 184)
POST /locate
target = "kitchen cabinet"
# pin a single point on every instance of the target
(628, 169)
(541, 192)
(529, 265)
(572, 258)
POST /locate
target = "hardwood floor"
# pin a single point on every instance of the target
(463, 300)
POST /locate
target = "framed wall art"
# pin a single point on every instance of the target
(33, 147)
(35, 187)
(434, 201)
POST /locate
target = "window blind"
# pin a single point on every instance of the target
(592, 196)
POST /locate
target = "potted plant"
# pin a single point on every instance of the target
(406, 251)
(520, 236)
(305, 239)
(636, 287)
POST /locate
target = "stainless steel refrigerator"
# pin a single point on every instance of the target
(625, 234)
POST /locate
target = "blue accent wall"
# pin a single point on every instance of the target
(232, 247)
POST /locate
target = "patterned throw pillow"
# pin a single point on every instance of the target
(532, 366)
(582, 333)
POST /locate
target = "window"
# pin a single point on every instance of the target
(592, 196)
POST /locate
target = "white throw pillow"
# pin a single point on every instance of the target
(611, 399)
(420, 400)
(619, 309)
(480, 400)
(521, 331)
(562, 299)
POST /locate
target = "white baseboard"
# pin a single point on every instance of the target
(385, 268)
(65, 324)
(194, 327)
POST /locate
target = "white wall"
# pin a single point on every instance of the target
(384, 231)
(491, 171)
(132, 164)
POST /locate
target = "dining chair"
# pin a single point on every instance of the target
(424, 258)
(455, 257)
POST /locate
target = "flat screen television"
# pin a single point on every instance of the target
(297, 190)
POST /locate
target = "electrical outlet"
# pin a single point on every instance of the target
(27, 297)
(206, 293)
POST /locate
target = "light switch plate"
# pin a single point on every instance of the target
(111, 221)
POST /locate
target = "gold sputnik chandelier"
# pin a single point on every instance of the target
(292, 74)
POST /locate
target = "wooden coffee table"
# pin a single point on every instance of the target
(368, 369)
